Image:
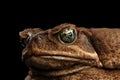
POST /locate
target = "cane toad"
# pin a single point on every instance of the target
(68, 52)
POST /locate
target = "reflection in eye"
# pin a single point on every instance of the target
(67, 35)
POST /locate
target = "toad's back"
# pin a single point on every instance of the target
(107, 44)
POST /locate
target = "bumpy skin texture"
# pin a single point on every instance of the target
(93, 55)
(107, 45)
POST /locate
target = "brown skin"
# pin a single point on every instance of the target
(94, 54)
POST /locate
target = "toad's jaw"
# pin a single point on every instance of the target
(55, 66)
(80, 56)
(64, 72)
(49, 62)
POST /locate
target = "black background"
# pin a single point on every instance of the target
(45, 22)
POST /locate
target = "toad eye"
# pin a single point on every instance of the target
(67, 36)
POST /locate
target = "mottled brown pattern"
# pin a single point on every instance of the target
(94, 55)
(107, 44)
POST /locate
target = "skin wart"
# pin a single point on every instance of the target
(68, 52)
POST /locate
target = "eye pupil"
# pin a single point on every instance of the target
(68, 35)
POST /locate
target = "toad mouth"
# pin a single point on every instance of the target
(60, 58)
(37, 71)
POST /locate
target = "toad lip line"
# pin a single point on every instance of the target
(60, 58)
